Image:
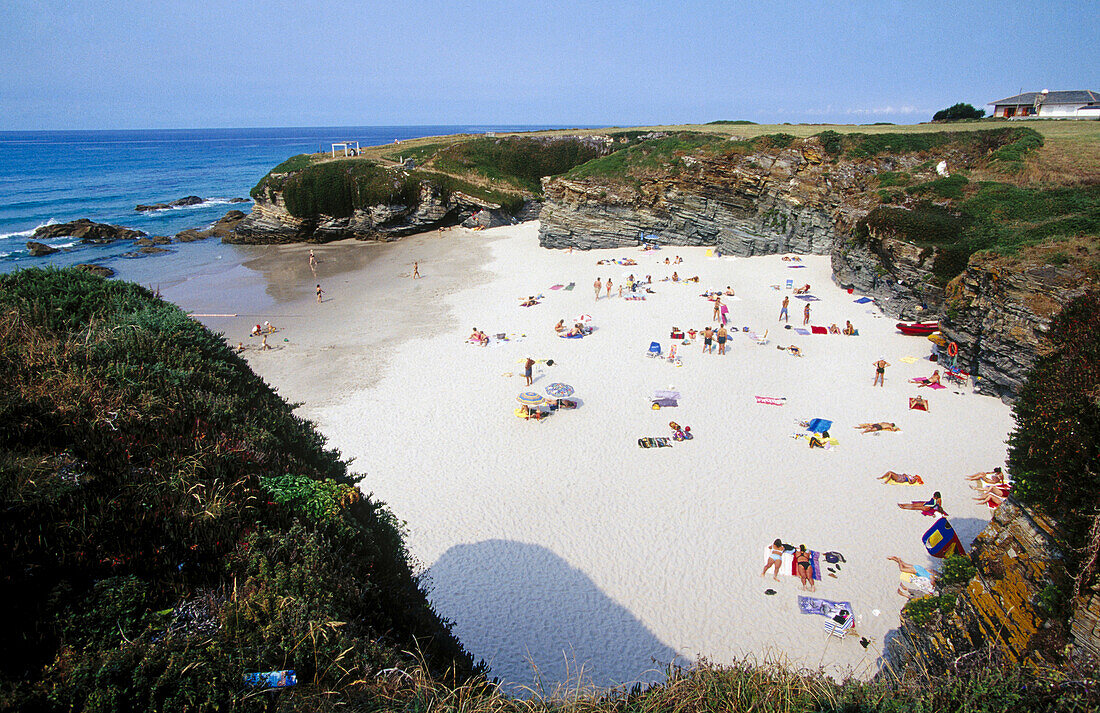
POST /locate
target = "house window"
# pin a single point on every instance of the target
(1010, 111)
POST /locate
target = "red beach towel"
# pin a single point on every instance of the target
(819, 330)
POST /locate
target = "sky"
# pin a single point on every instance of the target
(118, 64)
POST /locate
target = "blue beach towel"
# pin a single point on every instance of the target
(808, 298)
(819, 425)
(822, 607)
(800, 330)
(795, 267)
(863, 300)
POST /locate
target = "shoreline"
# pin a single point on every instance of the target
(541, 537)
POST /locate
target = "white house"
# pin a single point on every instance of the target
(1081, 104)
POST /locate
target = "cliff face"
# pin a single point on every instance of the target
(787, 200)
(997, 311)
(1018, 557)
(897, 274)
(271, 223)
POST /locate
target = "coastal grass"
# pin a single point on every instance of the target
(170, 524)
(517, 162)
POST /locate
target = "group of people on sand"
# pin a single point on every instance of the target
(803, 561)
(478, 337)
(578, 330)
(710, 335)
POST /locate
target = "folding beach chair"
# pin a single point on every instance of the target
(654, 349)
(840, 630)
(790, 284)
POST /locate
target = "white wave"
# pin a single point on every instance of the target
(206, 202)
(28, 233)
(4, 255)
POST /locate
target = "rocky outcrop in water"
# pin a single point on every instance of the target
(222, 228)
(271, 222)
(40, 249)
(180, 203)
(87, 232)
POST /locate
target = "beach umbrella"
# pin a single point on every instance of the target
(530, 398)
(583, 318)
(559, 390)
(819, 425)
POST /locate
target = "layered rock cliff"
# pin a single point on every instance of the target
(271, 222)
(768, 201)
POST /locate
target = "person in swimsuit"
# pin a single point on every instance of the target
(849, 330)
(920, 580)
(527, 366)
(806, 315)
(609, 288)
(875, 427)
(934, 379)
(416, 270)
(319, 293)
(722, 334)
(930, 506)
(994, 477)
(708, 339)
(804, 562)
(880, 372)
(994, 496)
(717, 307)
(560, 326)
(783, 310)
(904, 478)
(775, 558)
(598, 285)
(675, 276)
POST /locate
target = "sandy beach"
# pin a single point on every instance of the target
(561, 546)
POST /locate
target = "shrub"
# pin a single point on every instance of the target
(956, 569)
(831, 141)
(957, 112)
(948, 187)
(1054, 451)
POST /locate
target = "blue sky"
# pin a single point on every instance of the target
(85, 64)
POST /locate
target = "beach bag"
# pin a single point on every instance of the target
(834, 557)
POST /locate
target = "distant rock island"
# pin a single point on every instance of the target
(181, 202)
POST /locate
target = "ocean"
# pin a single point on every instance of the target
(59, 176)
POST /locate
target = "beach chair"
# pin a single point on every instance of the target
(790, 284)
(840, 630)
(654, 349)
(761, 339)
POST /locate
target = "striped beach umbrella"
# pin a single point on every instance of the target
(559, 390)
(530, 398)
(583, 318)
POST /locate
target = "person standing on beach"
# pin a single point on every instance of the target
(717, 307)
(708, 339)
(527, 367)
(416, 270)
(312, 261)
(598, 285)
(319, 293)
(775, 558)
(806, 315)
(722, 334)
(609, 288)
(783, 316)
(880, 372)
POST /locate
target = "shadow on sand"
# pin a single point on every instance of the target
(539, 622)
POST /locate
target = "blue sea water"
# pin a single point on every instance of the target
(59, 176)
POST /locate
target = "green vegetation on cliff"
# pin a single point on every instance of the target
(518, 162)
(170, 524)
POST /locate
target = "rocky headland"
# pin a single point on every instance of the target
(180, 203)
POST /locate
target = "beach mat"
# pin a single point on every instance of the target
(819, 330)
(863, 300)
(795, 267)
(803, 332)
(909, 360)
(807, 298)
(570, 286)
(556, 287)
(822, 607)
(771, 400)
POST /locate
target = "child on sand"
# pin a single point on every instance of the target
(775, 558)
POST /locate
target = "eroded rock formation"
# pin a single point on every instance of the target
(86, 231)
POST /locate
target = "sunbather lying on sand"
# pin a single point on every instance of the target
(934, 379)
(529, 302)
(775, 558)
(932, 505)
(992, 498)
(905, 478)
(802, 290)
(874, 427)
(993, 477)
(921, 581)
(914, 569)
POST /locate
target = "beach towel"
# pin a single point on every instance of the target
(909, 360)
(635, 298)
(815, 566)
(917, 405)
(923, 380)
(863, 300)
(665, 403)
(570, 286)
(771, 400)
(807, 298)
(666, 394)
(822, 607)
(819, 330)
(803, 332)
(556, 287)
(795, 267)
(649, 442)
(818, 425)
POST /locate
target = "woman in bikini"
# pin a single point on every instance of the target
(932, 505)
(775, 558)
(805, 565)
(903, 478)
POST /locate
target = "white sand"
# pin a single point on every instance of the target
(563, 545)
